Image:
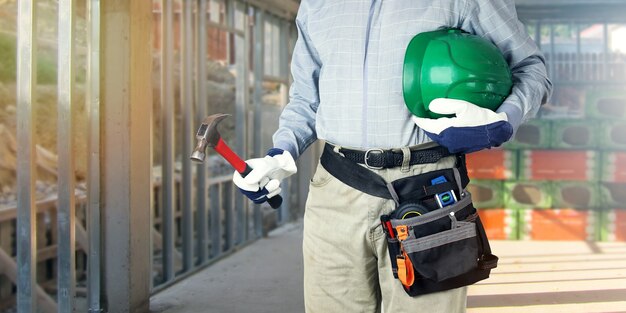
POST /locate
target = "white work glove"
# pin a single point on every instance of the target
(263, 182)
(472, 129)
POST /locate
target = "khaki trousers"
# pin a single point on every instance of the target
(346, 263)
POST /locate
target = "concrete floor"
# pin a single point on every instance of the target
(531, 277)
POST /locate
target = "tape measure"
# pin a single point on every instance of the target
(409, 210)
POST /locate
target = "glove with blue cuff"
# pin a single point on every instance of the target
(472, 129)
(263, 182)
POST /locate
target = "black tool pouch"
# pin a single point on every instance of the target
(447, 247)
(444, 248)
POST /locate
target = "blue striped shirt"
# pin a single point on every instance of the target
(348, 60)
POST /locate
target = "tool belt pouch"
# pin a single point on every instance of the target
(441, 249)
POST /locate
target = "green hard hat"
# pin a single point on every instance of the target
(451, 63)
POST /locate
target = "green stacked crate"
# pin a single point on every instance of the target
(576, 195)
(613, 224)
(487, 193)
(613, 195)
(574, 134)
(606, 104)
(528, 194)
(560, 165)
(612, 135)
(604, 226)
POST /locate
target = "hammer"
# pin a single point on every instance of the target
(208, 135)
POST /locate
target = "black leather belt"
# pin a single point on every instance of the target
(412, 187)
(380, 159)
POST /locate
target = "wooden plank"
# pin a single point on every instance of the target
(46, 160)
(9, 268)
(52, 288)
(54, 240)
(42, 239)
(42, 205)
(81, 237)
(50, 252)
(6, 231)
(8, 159)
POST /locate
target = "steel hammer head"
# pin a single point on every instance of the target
(207, 135)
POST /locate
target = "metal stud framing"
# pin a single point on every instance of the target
(215, 218)
(167, 137)
(242, 99)
(93, 160)
(26, 83)
(201, 112)
(259, 56)
(186, 102)
(65, 148)
(283, 70)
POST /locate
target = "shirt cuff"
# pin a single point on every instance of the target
(287, 147)
(513, 113)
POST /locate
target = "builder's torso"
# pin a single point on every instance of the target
(361, 46)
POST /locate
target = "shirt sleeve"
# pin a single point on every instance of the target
(498, 22)
(296, 130)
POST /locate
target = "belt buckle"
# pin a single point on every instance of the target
(381, 151)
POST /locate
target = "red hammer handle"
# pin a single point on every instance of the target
(242, 168)
(224, 150)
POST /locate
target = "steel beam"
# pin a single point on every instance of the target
(186, 102)
(579, 59)
(93, 159)
(227, 203)
(605, 51)
(552, 61)
(283, 68)
(201, 112)
(167, 138)
(66, 213)
(259, 56)
(26, 235)
(229, 18)
(242, 99)
(216, 220)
